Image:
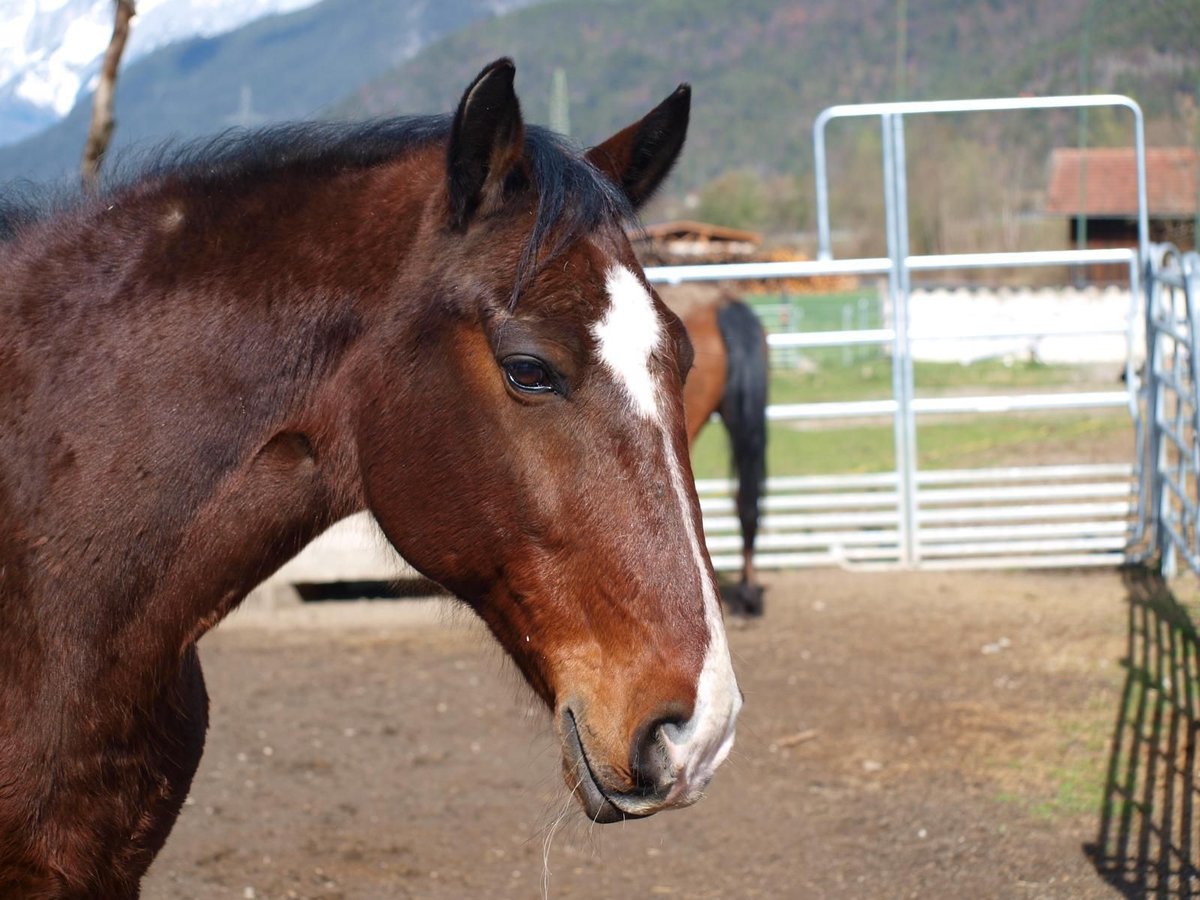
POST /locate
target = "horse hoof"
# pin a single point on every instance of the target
(748, 600)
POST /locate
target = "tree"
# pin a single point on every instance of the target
(101, 128)
(736, 199)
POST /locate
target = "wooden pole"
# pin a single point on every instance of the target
(101, 128)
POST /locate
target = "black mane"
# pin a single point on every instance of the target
(314, 148)
(573, 197)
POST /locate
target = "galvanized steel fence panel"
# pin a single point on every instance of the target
(1168, 522)
(1027, 517)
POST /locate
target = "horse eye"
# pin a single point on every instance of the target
(528, 374)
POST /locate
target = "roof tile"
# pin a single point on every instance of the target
(1105, 178)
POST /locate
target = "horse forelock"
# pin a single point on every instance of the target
(574, 200)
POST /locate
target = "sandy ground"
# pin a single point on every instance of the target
(904, 735)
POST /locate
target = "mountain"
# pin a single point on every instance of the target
(51, 49)
(277, 68)
(762, 69)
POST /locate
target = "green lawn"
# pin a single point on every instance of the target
(871, 379)
(975, 441)
(819, 312)
(825, 447)
(865, 373)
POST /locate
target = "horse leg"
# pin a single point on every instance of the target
(749, 594)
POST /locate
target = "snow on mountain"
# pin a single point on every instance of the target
(51, 49)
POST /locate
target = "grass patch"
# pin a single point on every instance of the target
(826, 447)
(855, 309)
(818, 449)
(871, 379)
(1069, 780)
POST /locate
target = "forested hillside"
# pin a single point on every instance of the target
(763, 69)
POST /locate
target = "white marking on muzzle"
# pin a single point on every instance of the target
(627, 335)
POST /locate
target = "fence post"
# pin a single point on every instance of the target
(1154, 413)
(896, 221)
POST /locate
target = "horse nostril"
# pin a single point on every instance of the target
(650, 760)
(676, 730)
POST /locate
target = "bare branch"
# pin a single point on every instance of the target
(101, 128)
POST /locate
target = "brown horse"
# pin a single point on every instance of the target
(438, 319)
(730, 378)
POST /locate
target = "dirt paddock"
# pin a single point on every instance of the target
(904, 735)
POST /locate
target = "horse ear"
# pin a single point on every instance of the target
(639, 157)
(486, 140)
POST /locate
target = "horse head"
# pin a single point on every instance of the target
(522, 441)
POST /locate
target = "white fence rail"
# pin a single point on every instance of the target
(985, 518)
(1041, 516)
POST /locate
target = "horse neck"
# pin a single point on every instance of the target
(181, 422)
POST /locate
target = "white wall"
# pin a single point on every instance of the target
(937, 315)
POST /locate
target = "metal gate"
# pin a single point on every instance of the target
(1168, 528)
(1072, 515)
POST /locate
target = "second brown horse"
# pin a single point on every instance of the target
(729, 378)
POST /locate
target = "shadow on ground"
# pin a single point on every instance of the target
(1148, 841)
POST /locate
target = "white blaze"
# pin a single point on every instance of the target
(627, 336)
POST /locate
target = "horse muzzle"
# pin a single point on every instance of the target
(670, 763)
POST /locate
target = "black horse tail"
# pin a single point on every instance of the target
(744, 409)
